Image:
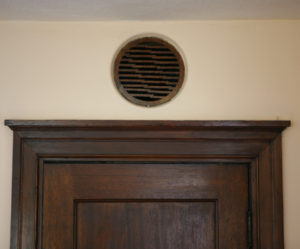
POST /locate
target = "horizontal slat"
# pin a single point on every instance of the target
(145, 95)
(150, 56)
(151, 67)
(140, 76)
(148, 90)
(148, 72)
(153, 48)
(148, 86)
(151, 82)
(151, 62)
(147, 59)
(149, 51)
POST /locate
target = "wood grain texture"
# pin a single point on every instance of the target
(90, 143)
(149, 225)
(69, 186)
(187, 125)
(16, 193)
(277, 193)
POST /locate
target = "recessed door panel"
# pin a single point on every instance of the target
(146, 224)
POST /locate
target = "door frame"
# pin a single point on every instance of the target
(257, 143)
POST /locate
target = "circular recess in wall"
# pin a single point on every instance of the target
(148, 71)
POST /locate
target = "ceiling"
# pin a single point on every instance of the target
(113, 10)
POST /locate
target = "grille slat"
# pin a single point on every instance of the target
(148, 86)
(151, 68)
(147, 79)
(151, 73)
(148, 71)
(150, 82)
(162, 63)
(151, 91)
(150, 52)
(147, 56)
(145, 76)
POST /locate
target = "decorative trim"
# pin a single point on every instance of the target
(255, 142)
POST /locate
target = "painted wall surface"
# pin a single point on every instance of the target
(235, 70)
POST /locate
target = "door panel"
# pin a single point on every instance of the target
(149, 225)
(143, 205)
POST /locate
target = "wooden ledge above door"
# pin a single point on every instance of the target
(143, 129)
(149, 124)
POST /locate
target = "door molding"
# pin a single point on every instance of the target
(257, 143)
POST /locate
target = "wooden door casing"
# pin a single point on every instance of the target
(62, 167)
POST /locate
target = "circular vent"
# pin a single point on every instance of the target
(148, 71)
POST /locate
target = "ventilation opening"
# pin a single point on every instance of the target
(148, 71)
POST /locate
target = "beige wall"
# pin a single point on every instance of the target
(236, 70)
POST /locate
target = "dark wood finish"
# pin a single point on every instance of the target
(152, 189)
(186, 125)
(148, 71)
(223, 178)
(16, 197)
(165, 225)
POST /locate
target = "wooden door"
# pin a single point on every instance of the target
(147, 185)
(144, 205)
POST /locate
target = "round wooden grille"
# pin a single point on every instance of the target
(148, 71)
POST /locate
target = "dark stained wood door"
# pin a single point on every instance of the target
(147, 184)
(144, 205)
